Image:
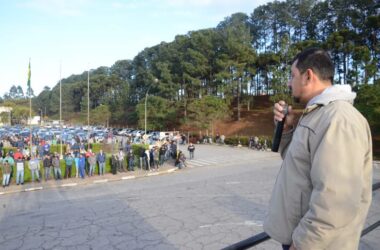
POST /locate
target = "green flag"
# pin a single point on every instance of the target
(29, 73)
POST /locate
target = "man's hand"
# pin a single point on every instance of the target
(279, 115)
(292, 247)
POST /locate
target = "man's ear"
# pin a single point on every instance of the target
(308, 76)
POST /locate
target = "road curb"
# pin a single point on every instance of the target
(33, 189)
(100, 181)
(128, 177)
(69, 185)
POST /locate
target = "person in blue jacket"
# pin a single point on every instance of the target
(82, 164)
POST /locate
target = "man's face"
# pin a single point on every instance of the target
(296, 83)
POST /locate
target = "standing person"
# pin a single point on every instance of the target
(121, 158)
(156, 158)
(151, 157)
(250, 142)
(142, 158)
(40, 151)
(92, 163)
(82, 165)
(101, 158)
(56, 166)
(18, 155)
(6, 168)
(131, 163)
(69, 160)
(11, 161)
(323, 189)
(162, 151)
(76, 160)
(20, 166)
(47, 163)
(173, 149)
(46, 148)
(34, 166)
(147, 159)
(1, 148)
(191, 150)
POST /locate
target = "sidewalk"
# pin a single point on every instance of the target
(72, 182)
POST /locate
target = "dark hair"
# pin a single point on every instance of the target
(318, 60)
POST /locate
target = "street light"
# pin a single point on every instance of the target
(146, 98)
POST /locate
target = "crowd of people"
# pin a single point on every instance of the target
(46, 165)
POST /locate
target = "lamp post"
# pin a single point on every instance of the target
(146, 98)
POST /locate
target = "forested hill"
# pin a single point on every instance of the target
(206, 74)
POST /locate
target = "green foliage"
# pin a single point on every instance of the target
(137, 148)
(160, 113)
(204, 112)
(57, 148)
(101, 115)
(368, 103)
(244, 140)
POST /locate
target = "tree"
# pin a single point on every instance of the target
(204, 112)
(20, 92)
(13, 92)
(101, 115)
(161, 113)
(368, 103)
(4, 117)
(20, 114)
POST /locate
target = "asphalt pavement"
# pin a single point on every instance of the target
(219, 199)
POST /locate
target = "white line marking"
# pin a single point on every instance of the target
(245, 223)
(101, 181)
(171, 170)
(199, 162)
(1, 193)
(33, 189)
(152, 174)
(206, 161)
(128, 177)
(193, 163)
(69, 185)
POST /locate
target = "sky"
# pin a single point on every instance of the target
(65, 37)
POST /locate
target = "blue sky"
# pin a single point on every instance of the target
(82, 34)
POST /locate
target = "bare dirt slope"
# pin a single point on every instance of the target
(254, 122)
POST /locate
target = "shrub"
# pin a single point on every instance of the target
(136, 148)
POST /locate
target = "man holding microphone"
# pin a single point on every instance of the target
(323, 190)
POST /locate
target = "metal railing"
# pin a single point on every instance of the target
(261, 237)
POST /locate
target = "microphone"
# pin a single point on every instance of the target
(278, 131)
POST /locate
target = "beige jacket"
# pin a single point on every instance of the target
(323, 190)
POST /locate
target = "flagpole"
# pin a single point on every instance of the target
(60, 105)
(88, 98)
(88, 106)
(30, 111)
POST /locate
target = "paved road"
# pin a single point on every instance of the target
(219, 199)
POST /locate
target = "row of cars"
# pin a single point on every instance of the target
(67, 134)
(152, 135)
